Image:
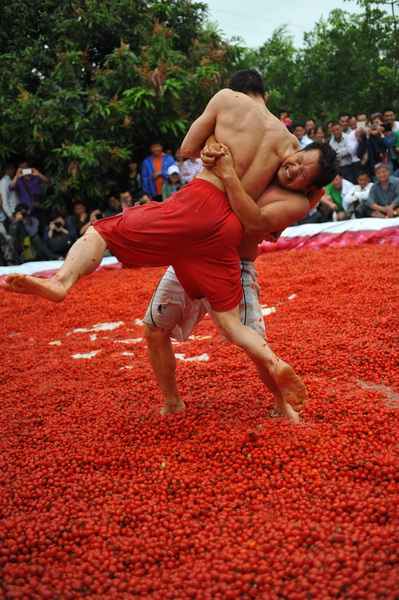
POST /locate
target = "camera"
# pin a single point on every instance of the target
(374, 126)
(58, 224)
(26, 171)
(24, 213)
(387, 126)
(98, 215)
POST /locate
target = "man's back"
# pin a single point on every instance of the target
(259, 141)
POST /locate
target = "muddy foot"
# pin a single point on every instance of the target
(50, 289)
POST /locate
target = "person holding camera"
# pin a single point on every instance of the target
(24, 231)
(58, 237)
(375, 143)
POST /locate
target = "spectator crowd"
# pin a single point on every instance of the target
(366, 186)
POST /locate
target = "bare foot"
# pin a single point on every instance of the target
(292, 388)
(284, 410)
(172, 408)
(50, 289)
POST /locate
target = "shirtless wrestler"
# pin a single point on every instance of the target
(196, 232)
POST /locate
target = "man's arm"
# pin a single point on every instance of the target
(204, 126)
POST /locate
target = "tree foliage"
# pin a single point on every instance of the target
(85, 84)
(349, 62)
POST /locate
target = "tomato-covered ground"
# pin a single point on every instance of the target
(103, 498)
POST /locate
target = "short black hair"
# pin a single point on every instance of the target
(21, 206)
(298, 124)
(247, 81)
(328, 163)
(343, 114)
(388, 109)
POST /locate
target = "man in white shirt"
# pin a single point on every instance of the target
(10, 199)
(354, 201)
(339, 141)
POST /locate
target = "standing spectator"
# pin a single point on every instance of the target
(331, 203)
(154, 171)
(131, 181)
(7, 251)
(352, 123)
(353, 143)
(284, 117)
(28, 181)
(309, 123)
(343, 120)
(383, 200)
(374, 144)
(191, 168)
(299, 132)
(339, 142)
(80, 218)
(173, 183)
(9, 197)
(389, 116)
(354, 203)
(319, 134)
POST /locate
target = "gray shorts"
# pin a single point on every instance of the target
(172, 309)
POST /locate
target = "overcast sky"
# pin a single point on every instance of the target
(255, 20)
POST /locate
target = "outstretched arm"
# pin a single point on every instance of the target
(280, 207)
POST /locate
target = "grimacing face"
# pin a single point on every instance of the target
(299, 170)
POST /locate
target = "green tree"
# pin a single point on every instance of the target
(276, 61)
(348, 63)
(85, 84)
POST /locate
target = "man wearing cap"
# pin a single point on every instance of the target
(154, 170)
(173, 183)
(383, 201)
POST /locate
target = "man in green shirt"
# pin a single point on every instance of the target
(331, 202)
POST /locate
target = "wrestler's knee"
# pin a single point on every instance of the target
(155, 335)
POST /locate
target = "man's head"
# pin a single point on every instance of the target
(79, 208)
(363, 179)
(142, 198)
(310, 168)
(337, 181)
(299, 130)
(389, 114)
(361, 117)
(126, 199)
(336, 130)
(113, 202)
(343, 120)
(10, 169)
(248, 82)
(156, 148)
(381, 171)
(309, 123)
(352, 122)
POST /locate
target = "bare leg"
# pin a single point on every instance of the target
(83, 258)
(290, 389)
(163, 362)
